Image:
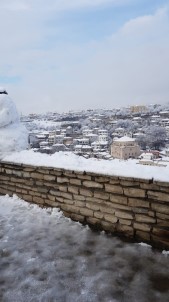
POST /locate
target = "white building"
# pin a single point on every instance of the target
(124, 148)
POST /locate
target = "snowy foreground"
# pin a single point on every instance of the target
(46, 257)
(68, 160)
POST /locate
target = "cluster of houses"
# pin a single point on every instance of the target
(96, 133)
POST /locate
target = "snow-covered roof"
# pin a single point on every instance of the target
(125, 139)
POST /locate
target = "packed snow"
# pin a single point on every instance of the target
(68, 160)
(46, 257)
(13, 135)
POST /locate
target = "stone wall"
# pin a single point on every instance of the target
(135, 208)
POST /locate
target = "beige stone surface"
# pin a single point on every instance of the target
(101, 195)
(37, 175)
(144, 218)
(113, 189)
(62, 179)
(110, 218)
(133, 192)
(118, 199)
(98, 215)
(73, 189)
(135, 202)
(123, 215)
(85, 192)
(93, 206)
(158, 196)
(62, 188)
(86, 212)
(38, 200)
(125, 221)
(92, 184)
(76, 182)
(142, 227)
(160, 208)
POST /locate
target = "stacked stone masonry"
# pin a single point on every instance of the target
(135, 208)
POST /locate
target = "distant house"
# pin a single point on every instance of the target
(124, 148)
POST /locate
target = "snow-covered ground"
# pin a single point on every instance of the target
(68, 160)
(46, 257)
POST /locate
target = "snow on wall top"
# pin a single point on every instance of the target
(70, 161)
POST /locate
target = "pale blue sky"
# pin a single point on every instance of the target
(75, 54)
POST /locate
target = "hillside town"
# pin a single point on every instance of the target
(140, 132)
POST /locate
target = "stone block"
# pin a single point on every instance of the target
(77, 217)
(42, 190)
(59, 199)
(98, 215)
(93, 199)
(92, 184)
(107, 226)
(27, 197)
(143, 236)
(102, 179)
(158, 196)
(43, 171)
(162, 216)
(126, 230)
(79, 203)
(142, 227)
(125, 221)
(70, 208)
(62, 188)
(133, 192)
(85, 192)
(37, 175)
(105, 209)
(118, 199)
(86, 212)
(93, 206)
(68, 201)
(62, 180)
(79, 197)
(73, 189)
(151, 186)
(83, 176)
(17, 173)
(113, 189)
(38, 200)
(49, 177)
(55, 193)
(144, 218)
(66, 195)
(51, 203)
(76, 182)
(101, 195)
(93, 221)
(26, 175)
(110, 218)
(126, 183)
(50, 197)
(123, 215)
(133, 202)
(160, 208)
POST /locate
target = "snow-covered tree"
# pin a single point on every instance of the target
(155, 136)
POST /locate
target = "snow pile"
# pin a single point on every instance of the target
(13, 135)
(70, 161)
(46, 257)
